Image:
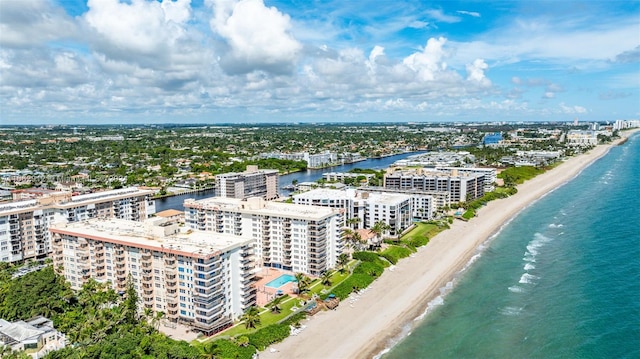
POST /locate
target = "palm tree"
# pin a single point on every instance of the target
(352, 221)
(303, 282)
(251, 317)
(326, 278)
(210, 350)
(379, 228)
(157, 318)
(343, 260)
(275, 304)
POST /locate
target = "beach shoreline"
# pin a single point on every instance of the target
(384, 313)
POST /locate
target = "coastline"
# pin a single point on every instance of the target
(383, 314)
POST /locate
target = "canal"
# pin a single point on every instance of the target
(310, 175)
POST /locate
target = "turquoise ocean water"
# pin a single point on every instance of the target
(561, 280)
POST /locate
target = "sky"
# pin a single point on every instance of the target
(275, 61)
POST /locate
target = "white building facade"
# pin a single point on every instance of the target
(394, 209)
(253, 182)
(201, 279)
(24, 224)
(290, 237)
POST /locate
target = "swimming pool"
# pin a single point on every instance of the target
(281, 280)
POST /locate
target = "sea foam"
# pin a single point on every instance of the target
(527, 278)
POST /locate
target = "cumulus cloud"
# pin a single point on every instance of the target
(572, 109)
(475, 72)
(428, 63)
(137, 28)
(258, 37)
(23, 24)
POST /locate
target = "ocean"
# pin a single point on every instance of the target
(560, 280)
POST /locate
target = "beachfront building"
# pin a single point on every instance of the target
(253, 182)
(394, 209)
(461, 186)
(424, 204)
(490, 174)
(435, 159)
(291, 237)
(582, 138)
(624, 124)
(24, 224)
(37, 336)
(201, 279)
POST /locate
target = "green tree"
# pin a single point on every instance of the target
(275, 304)
(130, 303)
(303, 282)
(326, 278)
(379, 228)
(343, 260)
(251, 317)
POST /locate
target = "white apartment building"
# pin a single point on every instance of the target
(461, 186)
(251, 183)
(201, 279)
(341, 176)
(320, 160)
(582, 138)
(290, 237)
(490, 174)
(624, 124)
(24, 224)
(394, 209)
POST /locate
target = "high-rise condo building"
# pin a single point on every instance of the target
(202, 279)
(461, 186)
(251, 183)
(291, 237)
(394, 209)
(24, 224)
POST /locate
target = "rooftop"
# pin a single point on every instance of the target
(326, 193)
(153, 234)
(259, 206)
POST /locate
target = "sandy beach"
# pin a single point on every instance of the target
(364, 328)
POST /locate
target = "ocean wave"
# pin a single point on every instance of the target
(470, 262)
(406, 331)
(529, 258)
(528, 278)
(516, 289)
(553, 225)
(511, 311)
(529, 267)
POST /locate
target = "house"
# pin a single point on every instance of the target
(37, 336)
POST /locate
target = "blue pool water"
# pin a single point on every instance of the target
(281, 280)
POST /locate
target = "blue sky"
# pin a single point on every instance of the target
(221, 61)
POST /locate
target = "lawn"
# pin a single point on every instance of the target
(268, 318)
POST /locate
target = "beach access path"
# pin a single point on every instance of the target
(362, 328)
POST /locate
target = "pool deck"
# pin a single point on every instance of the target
(266, 294)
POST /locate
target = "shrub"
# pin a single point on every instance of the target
(229, 349)
(268, 335)
(370, 257)
(469, 214)
(395, 253)
(356, 280)
(369, 268)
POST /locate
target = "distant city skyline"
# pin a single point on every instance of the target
(254, 61)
